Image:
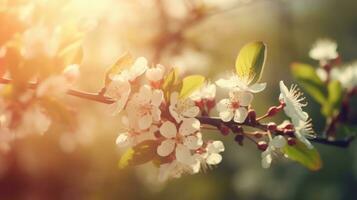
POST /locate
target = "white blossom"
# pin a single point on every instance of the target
(293, 100)
(208, 92)
(274, 149)
(131, 137)
(235, 107)
(144, 107)
(155, 74)
(347, 75)
(303, 129)
(137, 69)
(235, 82)
(182, 141)
(293, 109)
(182, 108)
(213, 150)
(176, 169)
(324, 50)
(71, 73)
(119, 90)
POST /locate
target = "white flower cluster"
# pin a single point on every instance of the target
(347, 75)
(19, 119)
(292, 98)
(171, 123)
(324, 50)
(240, 97)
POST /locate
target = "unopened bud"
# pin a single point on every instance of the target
(291, 141)
(262, 145)
(272, 126)
(237, 129)
(289, 132)
(71, 73)
(224, 130)
(289, 126)
(252, 116)
(239, 139)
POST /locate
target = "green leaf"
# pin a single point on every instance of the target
(308, 79)
(309, 158)
(191, 84)
(250, 61)
(335, 95)
(125, 61)
(170, 83)
(140, 154)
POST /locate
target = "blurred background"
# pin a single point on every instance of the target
(83, 165)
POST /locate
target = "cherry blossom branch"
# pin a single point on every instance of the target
(233, 125)
(212, 121)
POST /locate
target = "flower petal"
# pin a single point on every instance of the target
(166, 147)
(215, 147)
(157, 98)
(214, 159)
(223, 105)
(174, 98)
(189, 126)
(168, 129)
(257, 87)
(278, 141)
(174, 114)
(226, 116)
(145, 122)
(191, 112)
(192, 142)
(183, 154)
(266, 160)
(123, 139)
(240, 115)
(245, 98)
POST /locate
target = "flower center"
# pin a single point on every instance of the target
(235, 104)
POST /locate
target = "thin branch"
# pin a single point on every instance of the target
(212, 121)
(218, 122)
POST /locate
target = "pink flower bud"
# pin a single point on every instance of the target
(262, 145)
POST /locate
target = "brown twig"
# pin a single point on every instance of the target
(212, 121)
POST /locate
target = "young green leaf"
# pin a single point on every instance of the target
(250, 61)
(170, 83)
(309, 158)
(308, 79)
(191, 84)
(335, 95)
(125, 61)
(140, 154)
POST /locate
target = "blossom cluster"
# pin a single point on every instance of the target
(325, 51)
(161, 116)
(170, 122)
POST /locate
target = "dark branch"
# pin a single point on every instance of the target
(216, 122)
(322, 140)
